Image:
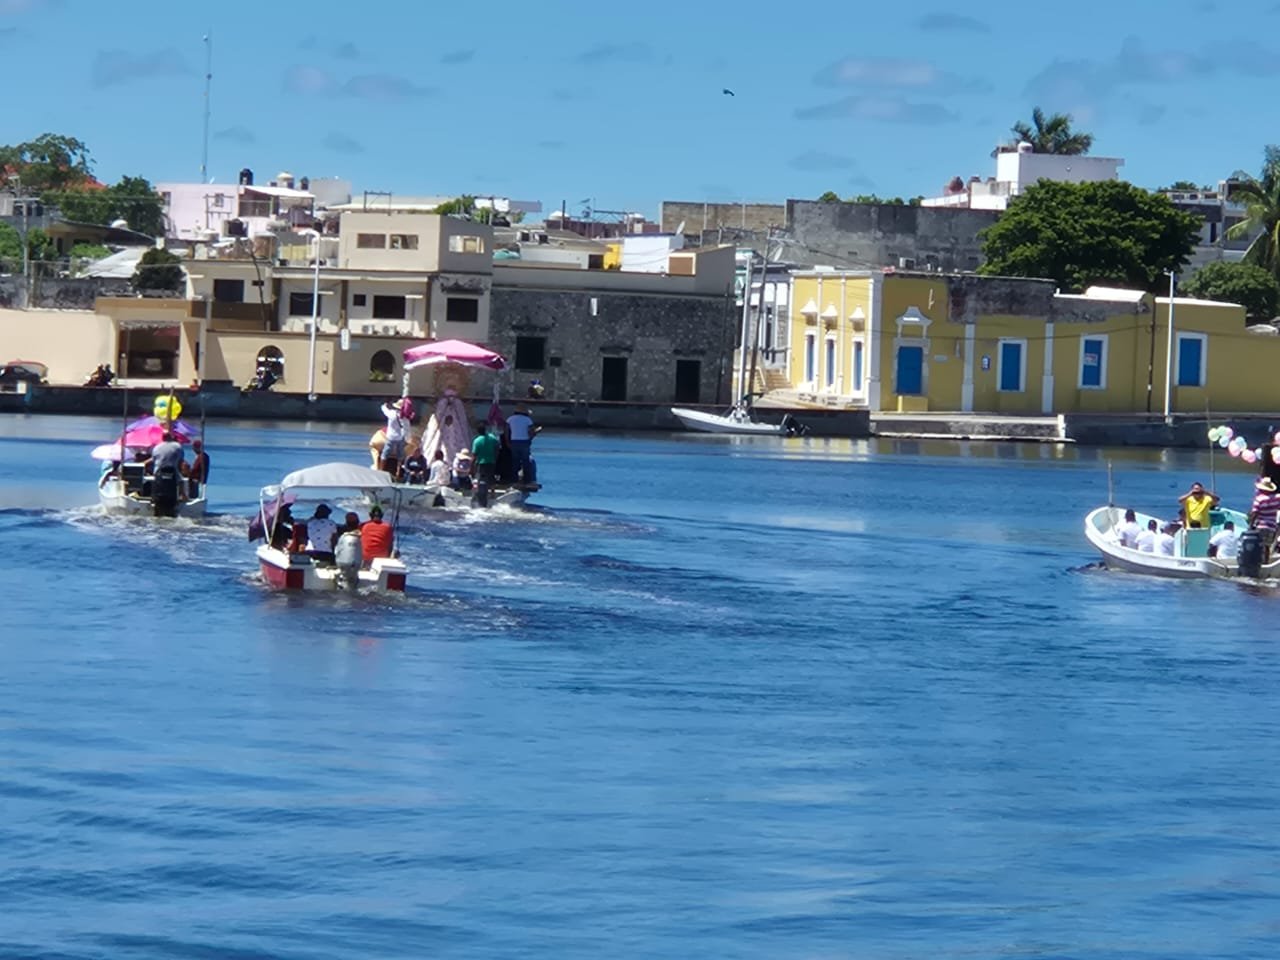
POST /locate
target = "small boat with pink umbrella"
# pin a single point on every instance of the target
(126, 488)
(449, 430)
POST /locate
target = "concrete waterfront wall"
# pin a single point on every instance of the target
(61, 293)
(223, 401)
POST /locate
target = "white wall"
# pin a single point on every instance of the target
(1021, 170)
(71, 342)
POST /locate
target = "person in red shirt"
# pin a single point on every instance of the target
(376, 537)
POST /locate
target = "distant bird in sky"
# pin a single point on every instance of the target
(728, 93)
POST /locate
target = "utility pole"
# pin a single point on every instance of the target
(1168, 356)
(208, 83)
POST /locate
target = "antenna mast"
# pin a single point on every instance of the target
(208, 82)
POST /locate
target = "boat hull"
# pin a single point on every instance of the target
(302, 574)
(715, 423)
(1100, 529)
(424, 496)
(116, 502)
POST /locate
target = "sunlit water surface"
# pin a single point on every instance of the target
(711, 697)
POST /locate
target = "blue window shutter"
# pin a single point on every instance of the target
(1091, 368)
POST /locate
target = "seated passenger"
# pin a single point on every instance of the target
(376, 537)
(1129, 531)
(1225, 544)
(463, 468)
(282, 531)
(415, 468)
(1147, 538)
(321, 532)
(1165, 542)
(439, 475)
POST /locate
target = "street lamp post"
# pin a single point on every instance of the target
(315, 316)
(1168, 355)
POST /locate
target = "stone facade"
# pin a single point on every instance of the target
(563, 338)
(721, 222)
(869, 235)
(68, 293)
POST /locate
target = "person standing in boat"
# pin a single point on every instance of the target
(166, 466)
(521, 430)
(198, 473)
(1264, 512)
(485, 450)
(397, 430)
(1196, 504)
(376, 537)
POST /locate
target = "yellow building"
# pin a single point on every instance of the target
(911, 342)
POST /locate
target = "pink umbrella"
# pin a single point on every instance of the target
(150, 436)
(453, 351)
(178, 426)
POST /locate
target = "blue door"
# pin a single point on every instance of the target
(1189, 361)
(911, 370)
(1011, 367)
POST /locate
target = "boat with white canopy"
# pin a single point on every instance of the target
(284, 566)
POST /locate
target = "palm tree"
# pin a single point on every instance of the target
(1261, 199)
(1052, 134)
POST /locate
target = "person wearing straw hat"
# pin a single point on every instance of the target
(1265, 511)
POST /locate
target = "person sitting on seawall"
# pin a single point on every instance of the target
(1196, 504)
(1225, 544)
(166, 465)
(463, 467)
(1165, 540)
(321, 533)
(1129, 531)
(415, 468)
(1147, 538)
(376, 537)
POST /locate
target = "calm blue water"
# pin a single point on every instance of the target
(714, 698)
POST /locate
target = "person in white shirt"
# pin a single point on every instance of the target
(397, 430)
(1129, 531)
(1225, 543)
(521, 431)
(1165, 541)
(1147, 538)
(440, 474)
(321, 531)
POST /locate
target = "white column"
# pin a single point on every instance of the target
(1046, 398)
(875, 291)
(966, 386)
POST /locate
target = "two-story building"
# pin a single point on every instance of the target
(895, 341)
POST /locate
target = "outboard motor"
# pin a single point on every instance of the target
(1249, 557)
(347, 554)
(164, 493)
(793, 427)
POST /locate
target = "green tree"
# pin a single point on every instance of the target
(39, 246)
(132, 199)
(1243, 283)
(464, 205)
(1079, 234)
(1182, 186)
(829, 197)
(1261, 199)
(159, 270)
(1051, 134)
(49, 162)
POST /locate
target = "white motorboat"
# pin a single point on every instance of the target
(738, 420)
(130, 495)
(286, 569)
(1190, 560)
(430, 495)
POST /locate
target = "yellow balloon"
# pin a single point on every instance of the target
(165, 409)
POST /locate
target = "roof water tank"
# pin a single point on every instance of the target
(246, 177)
(1024, 147)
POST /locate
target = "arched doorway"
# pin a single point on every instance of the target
(382, 367)
(272, 359)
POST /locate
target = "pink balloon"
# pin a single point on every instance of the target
(1249, 457)
(1275, 454)
(1233, 450)
(1228, 432)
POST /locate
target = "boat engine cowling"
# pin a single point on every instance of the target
(1250, 553)
(347, 554)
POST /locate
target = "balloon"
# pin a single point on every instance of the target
(1275, 455)
(1249, 457)
(1213, 434)
(1227, 432)
(166, 409)
(1223, 442)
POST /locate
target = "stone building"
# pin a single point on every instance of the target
(716, 223)
(871, 235)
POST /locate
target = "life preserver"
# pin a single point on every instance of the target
(167, 408)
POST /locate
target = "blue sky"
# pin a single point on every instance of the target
(556, 100)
